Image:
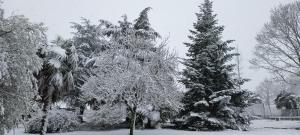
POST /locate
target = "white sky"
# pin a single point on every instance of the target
(243, 19)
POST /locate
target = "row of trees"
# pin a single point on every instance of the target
(114, 64)
(125, 64)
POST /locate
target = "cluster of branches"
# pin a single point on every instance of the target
(278, 48)
(133, 70)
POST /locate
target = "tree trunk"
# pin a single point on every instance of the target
(269, 101)
(264, 109)
(81, 111)
(1, 116)
(133, 119)
(2, 130)
(148, 125)
(270, 109)
(45, 110)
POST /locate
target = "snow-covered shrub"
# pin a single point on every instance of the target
(106, 116)
(202, 123)
(149, 118)
(286, 100)
(59, 121)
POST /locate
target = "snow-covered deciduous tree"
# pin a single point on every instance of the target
(56, 77)
(20, 41)
(135, 71)
(213, 100)
(278, 48)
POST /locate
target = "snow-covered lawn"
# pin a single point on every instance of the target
(259, 127)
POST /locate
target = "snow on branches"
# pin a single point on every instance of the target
(20, 41)
(134, 71)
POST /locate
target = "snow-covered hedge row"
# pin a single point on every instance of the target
(59, 121)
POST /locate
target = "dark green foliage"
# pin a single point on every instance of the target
(196, 123)
(55, 80)
(287, 100)
(206, 70)
(142, 25)
(213, 101)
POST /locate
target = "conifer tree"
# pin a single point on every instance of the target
(212, 101)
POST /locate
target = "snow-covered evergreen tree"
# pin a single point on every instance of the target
(135, 71)
(20, 41)
(142, 25)
(89, 42)
(212, 101)
(56, 77)
(287, 101)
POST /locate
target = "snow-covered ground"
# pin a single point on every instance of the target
(259, 127)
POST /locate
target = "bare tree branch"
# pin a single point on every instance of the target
(278, 48)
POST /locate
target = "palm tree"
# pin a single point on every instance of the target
(56, 77)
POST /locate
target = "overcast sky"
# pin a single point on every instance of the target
(242, 19)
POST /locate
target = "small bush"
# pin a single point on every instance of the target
(196, 123)
(58, 121)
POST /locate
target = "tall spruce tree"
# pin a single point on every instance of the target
(206, 70)
(212, 101)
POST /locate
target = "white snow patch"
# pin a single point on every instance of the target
(221, 99)
(58, 50)
(56, 63)
(202, 102)
(257, 128)
(213, 120)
